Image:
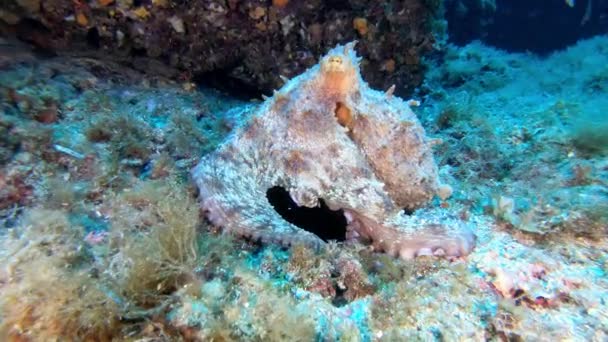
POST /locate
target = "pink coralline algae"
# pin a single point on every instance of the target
(95, 238)
(326, 135)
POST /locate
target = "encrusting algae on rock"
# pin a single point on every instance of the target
(325, 136)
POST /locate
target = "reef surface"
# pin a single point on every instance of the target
(101, 236)
(236, 45)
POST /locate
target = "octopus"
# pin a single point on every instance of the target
(328, 139)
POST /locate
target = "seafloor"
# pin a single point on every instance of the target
(102, 237)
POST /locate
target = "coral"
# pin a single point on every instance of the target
(327, 136)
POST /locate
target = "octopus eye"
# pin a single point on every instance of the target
(334, 64)
(344, 115)
(335, 60)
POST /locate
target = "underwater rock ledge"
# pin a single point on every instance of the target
(326, 135)
(242, 46)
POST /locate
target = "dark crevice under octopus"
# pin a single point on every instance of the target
(329, 140)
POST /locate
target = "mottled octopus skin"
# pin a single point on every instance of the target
(326, 135)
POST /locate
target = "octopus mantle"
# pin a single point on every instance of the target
(326, 135)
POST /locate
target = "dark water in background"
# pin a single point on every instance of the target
(540, 26)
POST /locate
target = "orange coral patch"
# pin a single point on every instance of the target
(280, 3)
(360, 24)
(389, 65)
(81, 19)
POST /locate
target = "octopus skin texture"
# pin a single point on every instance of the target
(326, 135)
